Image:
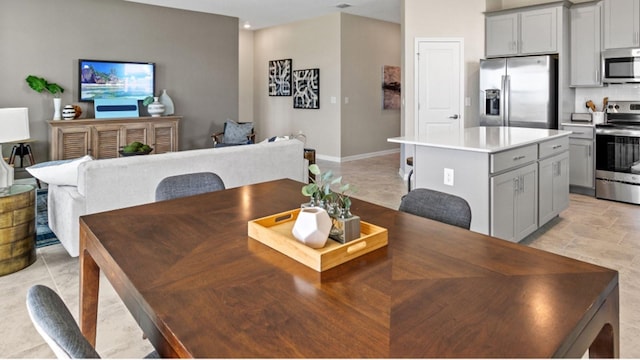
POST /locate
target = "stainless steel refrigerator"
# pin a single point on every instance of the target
(519, 91)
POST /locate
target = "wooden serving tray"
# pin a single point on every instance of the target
(275, 232)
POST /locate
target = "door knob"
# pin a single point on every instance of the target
(454, 116)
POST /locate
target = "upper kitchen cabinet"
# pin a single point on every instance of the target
(621, 24)
(501, 35)
(539, 31)
(586, 45)
(531, 30)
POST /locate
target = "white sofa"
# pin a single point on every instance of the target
(128, 181)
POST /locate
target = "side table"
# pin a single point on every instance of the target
(310, 155)
(17, 228)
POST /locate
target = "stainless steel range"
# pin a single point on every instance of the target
(618, 153)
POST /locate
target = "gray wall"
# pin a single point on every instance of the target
(196, 58)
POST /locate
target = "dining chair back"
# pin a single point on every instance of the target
(187, 185)
(436, 205)
(56, 325)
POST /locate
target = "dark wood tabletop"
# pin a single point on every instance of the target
(200, 287)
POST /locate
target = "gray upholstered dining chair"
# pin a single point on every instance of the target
(188, 184)
(436, 205)
(58, 328)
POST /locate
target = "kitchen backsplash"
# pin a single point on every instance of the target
(628, 92)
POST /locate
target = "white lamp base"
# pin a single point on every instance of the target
(6, 173)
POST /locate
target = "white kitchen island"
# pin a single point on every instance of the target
(515, 179)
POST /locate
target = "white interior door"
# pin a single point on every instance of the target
(440, 82)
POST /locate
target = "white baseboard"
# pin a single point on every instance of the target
(327, 158)
(402, 174)
(357, 157)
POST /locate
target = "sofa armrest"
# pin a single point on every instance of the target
(65, 205)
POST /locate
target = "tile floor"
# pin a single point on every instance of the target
(601, 232)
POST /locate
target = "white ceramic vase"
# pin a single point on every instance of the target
(155, 109)
(56, 108)
(167, 102)
(312, 227)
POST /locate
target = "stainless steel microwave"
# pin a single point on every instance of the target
(621, 66)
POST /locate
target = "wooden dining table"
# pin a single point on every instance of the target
(199, 286)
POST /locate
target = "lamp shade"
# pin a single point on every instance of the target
(14, 124)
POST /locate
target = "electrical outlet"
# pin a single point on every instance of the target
(448, 176)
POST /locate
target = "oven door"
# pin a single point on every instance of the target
(618, 164)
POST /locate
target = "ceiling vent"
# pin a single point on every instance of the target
(343, 6)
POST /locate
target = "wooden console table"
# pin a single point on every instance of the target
(102, 138)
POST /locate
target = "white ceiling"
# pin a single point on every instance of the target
(265, 13)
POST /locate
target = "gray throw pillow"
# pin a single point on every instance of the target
(235, 133)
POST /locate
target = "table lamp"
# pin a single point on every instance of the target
(14, 126)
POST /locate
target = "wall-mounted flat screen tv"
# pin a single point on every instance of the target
(102, 79)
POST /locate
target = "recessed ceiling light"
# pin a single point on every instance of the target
(246, 25)
(343, 6)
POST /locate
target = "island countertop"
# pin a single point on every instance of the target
(484, 139)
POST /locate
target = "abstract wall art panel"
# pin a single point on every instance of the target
(306, 89)
(280, 77)
(391, 87)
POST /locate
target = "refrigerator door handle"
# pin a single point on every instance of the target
(506, 86)
(483, 102)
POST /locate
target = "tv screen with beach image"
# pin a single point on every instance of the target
(116, 79)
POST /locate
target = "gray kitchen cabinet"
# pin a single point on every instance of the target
(539, 31)
(621, 24)
(553, 180)
(514, 203)
(501, 35)
(495, 169)
(581, 159)
(533, 31)
(581, 173)
(586, 45)
(554, 186)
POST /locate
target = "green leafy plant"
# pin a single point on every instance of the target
(136, 147)
(148, 100)
(40, 84)
(319, 190)
(344, 199)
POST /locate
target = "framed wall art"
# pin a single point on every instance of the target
(391, 87)
(280, 77)
(306, 89)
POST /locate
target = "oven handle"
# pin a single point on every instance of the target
(618, 132)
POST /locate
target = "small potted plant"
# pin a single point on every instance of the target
(319, 190)
(40, 84)
(345, 227)
(343, 201)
